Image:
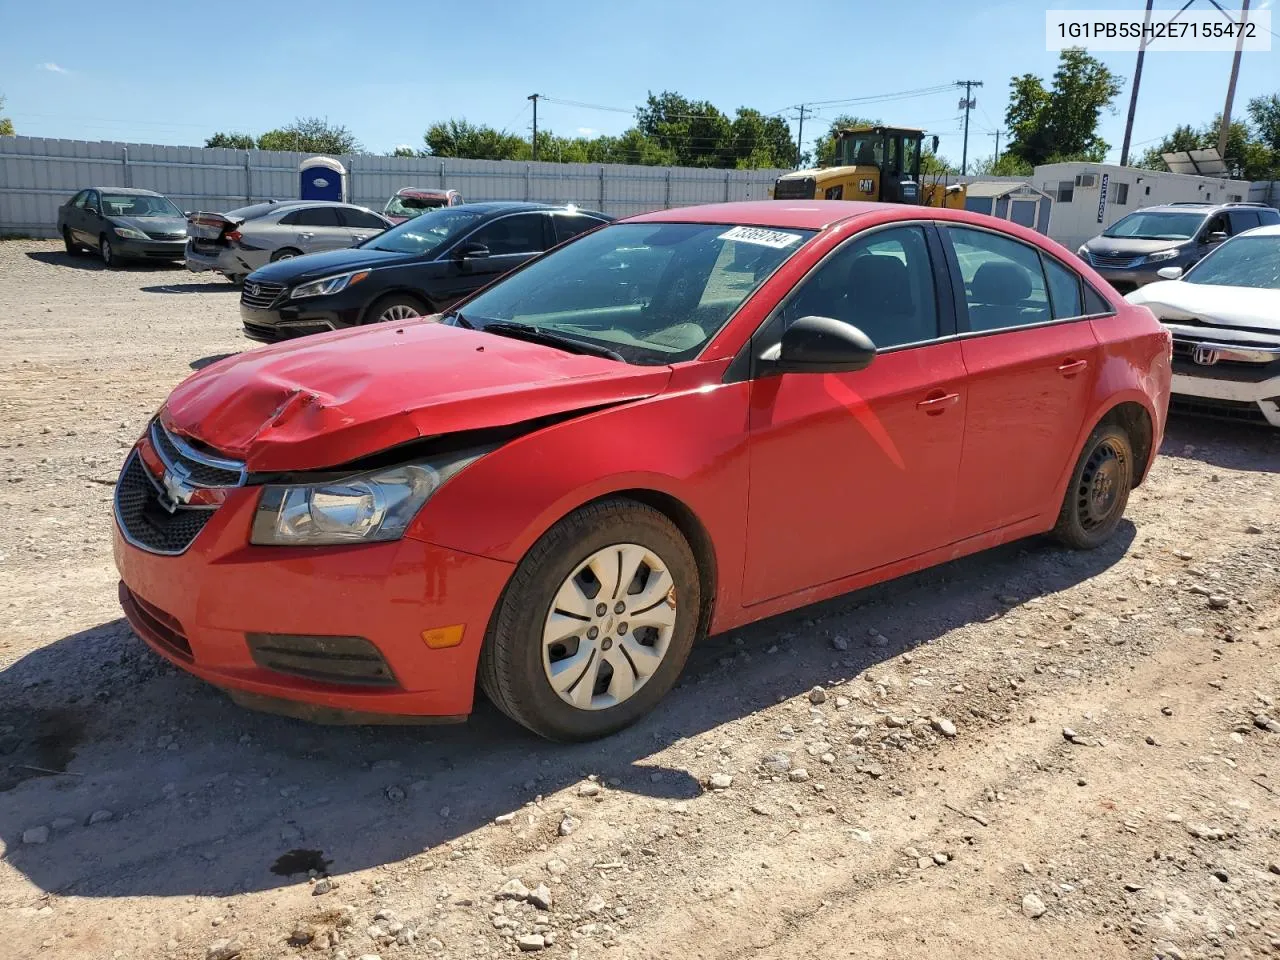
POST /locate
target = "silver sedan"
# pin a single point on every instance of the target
(238, 242)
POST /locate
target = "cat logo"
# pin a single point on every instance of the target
(866, 185)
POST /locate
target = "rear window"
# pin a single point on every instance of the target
(253, 211)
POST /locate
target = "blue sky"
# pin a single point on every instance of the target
(177, 72)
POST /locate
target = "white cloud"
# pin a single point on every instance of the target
(52, 67)
(587, 131)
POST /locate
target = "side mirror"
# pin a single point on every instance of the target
(821, 345)
(1169, 273)
(471, 251)
(1216, 237)
(94, 210)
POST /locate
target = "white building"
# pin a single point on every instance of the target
(1089, 197)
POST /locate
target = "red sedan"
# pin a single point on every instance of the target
(676, 424)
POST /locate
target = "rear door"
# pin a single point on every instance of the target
(361, 224)
(509, 240)
(1242, 220)
(1031, 360)
(316, 229)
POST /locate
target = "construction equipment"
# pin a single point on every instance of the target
(872, 163)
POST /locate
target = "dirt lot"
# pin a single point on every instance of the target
(1032, 753)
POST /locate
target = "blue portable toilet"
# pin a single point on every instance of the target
(322, 178)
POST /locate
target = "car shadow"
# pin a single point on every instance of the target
(203, 362)
(205, 798)
(223, 286)
(91, 261)
(1228, 444)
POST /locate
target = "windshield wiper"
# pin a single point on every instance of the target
(526, 331)
(458, 319)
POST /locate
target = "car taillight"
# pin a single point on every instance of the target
(232, 235)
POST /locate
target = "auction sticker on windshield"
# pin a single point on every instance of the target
(765, 238)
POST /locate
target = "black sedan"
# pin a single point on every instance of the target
(122, 223)
(417, 268)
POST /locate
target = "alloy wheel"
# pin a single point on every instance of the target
(609, 626)
(397, 312)
(108, 255)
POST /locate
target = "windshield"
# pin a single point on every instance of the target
(399, 206)
(426, 234)
(136, 205)
(1242, 262)
(653, 292)
(1156, 226)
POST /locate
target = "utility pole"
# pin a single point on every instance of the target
(1133, 94)
(534, 97)
(1231, 87)
(968, 103)
(800, 138)
(996, 161)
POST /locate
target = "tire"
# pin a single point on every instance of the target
(517, 662)
(235, 279)
(107, 252)
(73, 249)
(1099, 489)
(396, 308)
(285, 253)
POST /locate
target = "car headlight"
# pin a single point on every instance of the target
(129, 233)
(1162, 255)
(327, 285)
(367, 508)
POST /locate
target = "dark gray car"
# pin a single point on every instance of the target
(122, 223)
(1132, 250)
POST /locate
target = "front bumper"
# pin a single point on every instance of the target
(197, 609)
(286, 319)
(1201, 391)
(1131, 278)
(149, 249)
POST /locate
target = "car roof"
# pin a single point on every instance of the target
(424, 192)
(1267, 230)
(1195, 206)
(130, 191)
(796, 214)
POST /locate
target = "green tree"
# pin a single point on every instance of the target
(1061, 123)
(693, 130)
(404, 150)
(6, 125)
(758, 142)
(1249, 153)
(1264, 114)
(237, 141)
(310, 135)
(459, 138)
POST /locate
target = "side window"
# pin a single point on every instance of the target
(79, 199)
(361, 219)
(1095, 304)
(881, 283)
(1121, 193)
(91, 201)
(1216, 224)
(571, 226)
(521, 233)
(835, 193)
(1003, 282)
(1066, 190)
(315, 217)
(1242, 220)
(1064, 289)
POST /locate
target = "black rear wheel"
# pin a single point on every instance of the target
(73, 249)
(1099, 489)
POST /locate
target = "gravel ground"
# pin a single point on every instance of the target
(1029, 753)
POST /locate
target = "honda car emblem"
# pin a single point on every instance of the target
(1205, 356)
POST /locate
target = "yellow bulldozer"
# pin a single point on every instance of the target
(872, 163)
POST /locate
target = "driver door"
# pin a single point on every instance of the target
(852, 471)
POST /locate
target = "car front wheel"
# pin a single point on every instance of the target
(1099, 489)
(596, 624)
(107, 252)
(73, 249)
(395, 308)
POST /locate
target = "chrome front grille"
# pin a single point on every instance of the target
(195, 466)
(167, 234)
(1114, 263)
(143, 518)
(260, 296)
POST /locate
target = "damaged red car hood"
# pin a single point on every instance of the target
(331, 399)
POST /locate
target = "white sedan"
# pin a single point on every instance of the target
(1224, 314)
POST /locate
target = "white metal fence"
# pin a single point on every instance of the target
(38, 174)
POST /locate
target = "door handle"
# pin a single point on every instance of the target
(936, 404)
(1069, 368)
(305, 236)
